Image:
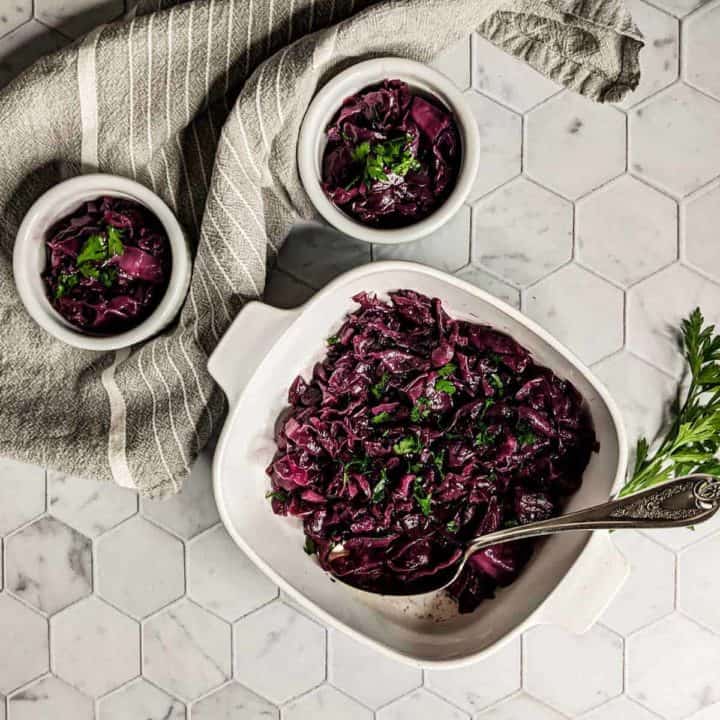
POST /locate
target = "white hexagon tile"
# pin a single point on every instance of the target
(602, 224)
(522, 232)
(362, 673)
(675, 139)
(133, 579)
(574, 145)
(626, 231)
(186, 650)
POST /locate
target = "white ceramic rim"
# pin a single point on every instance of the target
(538, 616)
(311, 143)
(29, 253)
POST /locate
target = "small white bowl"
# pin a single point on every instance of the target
(312, 142)
(29, 259)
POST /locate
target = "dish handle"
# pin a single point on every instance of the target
(245, 344)
(586, 591)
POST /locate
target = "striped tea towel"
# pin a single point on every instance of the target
(201, 101)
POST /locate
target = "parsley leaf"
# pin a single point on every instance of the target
(379, 387)
(108, 275)
(497, 383)
(363, 465)
(93, 250)
(276, 495)
(361, 151)
(333, 340)
(89, 270)
(381, 418)
(66, 282)
(439, 461)
(692, 442)
(114, 241)
(484, 436)
(422, 497)
(394, 156)
(447, 370)
(380, 487)
(525, 435)
(420, 410)
(443, 385)
(310, 547)
(407, 445)
(452, 526)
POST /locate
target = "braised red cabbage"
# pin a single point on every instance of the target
(108, 265)
(417, 432)
(392, 157)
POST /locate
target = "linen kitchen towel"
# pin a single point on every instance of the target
(202, 102)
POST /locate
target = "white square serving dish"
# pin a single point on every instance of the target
(570, 579)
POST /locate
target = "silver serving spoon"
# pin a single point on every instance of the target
(684, 501)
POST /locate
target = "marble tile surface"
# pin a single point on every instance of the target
(326, 703)
(94, 647)
(24, 643)
(140, 699)
(482, 684)
(586, 670)
(264, 640)
(133, 579)
(626, 231)
(602, 222)
(48, 565)
(90, 507)
(522, 232)
(186, 650)
(50, 697)
(574, 145)
(360, 672)
(233, 701)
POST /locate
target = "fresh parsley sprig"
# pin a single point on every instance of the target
(693, 440)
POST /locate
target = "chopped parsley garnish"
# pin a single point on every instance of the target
(310, 547)
(452, 526)
(362, 464)
(443, 385)
(95, 249)
(497, 383)
(108, 275)
(276, 495)
(114, 241)
(379, 387)
(380, 487)
(381, 418)
(392, 156)
(407, 445)
(66, 282)
(447, 370)
(484, 436)
(439, 461)
(420, 410)
(95, 252)
(333, 340)
(525, 435)
(422, 497)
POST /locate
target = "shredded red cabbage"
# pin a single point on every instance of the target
(418, 432)
(108, 265)
(392, 157)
